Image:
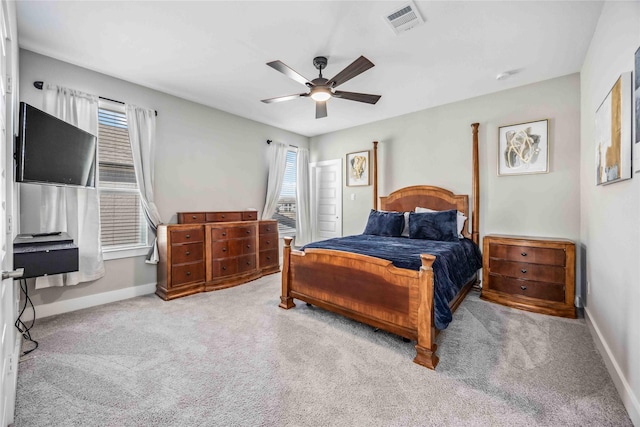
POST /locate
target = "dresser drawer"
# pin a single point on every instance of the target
(268, 227)
(239, 232)
(220, 249)
(191, 217)
(528, 288)
(189, 252)
(187, 235)
(223, 216)
(224, 267)
(269, 258)
(247, 246)
(219, 234)
(246, 263)
(549, 256)
(249, 215)
(187, 273)
(522, 270)
(268, 241)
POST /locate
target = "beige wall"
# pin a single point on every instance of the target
(434, 147)
(206, 159)
(610, 225)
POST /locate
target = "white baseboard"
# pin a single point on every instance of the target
(66, 306)
(629, 399)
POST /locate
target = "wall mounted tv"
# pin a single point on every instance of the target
(51, 151)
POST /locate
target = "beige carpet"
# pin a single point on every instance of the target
(233, 358)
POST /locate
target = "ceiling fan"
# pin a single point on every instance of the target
(322, 89)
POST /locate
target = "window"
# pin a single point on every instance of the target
(123, 224)
(286, 209)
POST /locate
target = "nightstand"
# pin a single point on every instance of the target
(530, 273)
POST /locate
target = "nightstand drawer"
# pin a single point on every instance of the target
(269, 258)
(522, 270)
(548, 256)
(268, 227)
(223, 216)
(528, 288)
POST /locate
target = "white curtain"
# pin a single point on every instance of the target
(303, 208)
(277, 165)
(75, 211)
(142, 135)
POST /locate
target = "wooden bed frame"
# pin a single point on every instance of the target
(372, 290)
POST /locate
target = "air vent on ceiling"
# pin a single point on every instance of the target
(404, 18)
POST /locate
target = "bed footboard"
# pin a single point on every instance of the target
(366, 289)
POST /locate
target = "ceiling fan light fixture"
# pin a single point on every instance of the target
(320, 94)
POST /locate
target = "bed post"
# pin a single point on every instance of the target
(426, 347)
(286, 301)
(475, 224)
(375, 175)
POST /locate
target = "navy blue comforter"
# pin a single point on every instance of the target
(455, 264)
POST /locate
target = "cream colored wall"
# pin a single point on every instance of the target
(206, 159)
(610, 225)
(434, 147)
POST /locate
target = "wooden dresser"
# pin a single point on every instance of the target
(214, 250)
(530, 273)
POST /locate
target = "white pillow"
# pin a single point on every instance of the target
(461, 218)
(405, 230)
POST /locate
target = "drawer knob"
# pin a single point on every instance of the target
(523, 254)
(188, 273)
(224, 249)
(193, 217)
(248, 231)
(188, 253)
(268, 229)
(523, 270)
(524, 288)
(224, 267)
(222, 216)
(268, 242)
(268, 257)
(248, 246)
(248, 262)
(224, 234)
(188, 236)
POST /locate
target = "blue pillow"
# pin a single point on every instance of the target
(442, 226)
(388, 224)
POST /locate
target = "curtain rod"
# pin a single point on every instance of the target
(39, 84)
(269, 142)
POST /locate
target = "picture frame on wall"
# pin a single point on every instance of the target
(613, 133)
(636, 103)
(523, 148)
(358, 169)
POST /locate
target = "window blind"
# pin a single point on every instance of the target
(286, 209)
(121, 218)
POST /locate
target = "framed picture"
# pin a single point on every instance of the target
(613, 133)
(636, 102)
(523, 148)
(358, 169)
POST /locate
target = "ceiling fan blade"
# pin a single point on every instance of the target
(287, 71)
(284, 98)
(321, 109)
(360, 97)
(357, 67)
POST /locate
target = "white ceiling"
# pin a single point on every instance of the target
(215, 52)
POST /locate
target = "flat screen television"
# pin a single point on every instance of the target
(51, 151)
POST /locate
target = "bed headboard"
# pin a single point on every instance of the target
(426, 196)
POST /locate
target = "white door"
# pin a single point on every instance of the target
(326, 199)
(9, 341)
